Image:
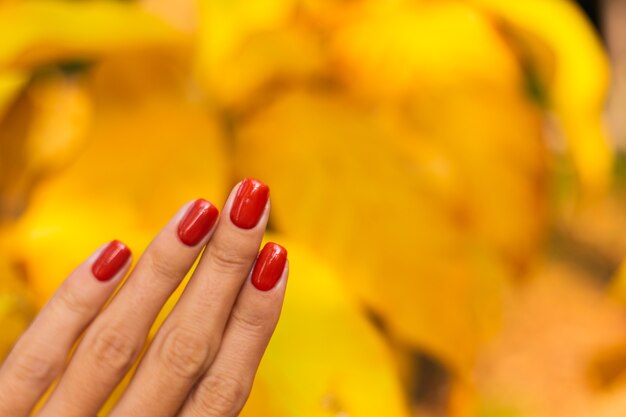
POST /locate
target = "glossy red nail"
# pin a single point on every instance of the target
(198, 221)
(110, 261)
(249, 203)
(269, 266)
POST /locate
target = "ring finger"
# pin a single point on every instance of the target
(40, 354)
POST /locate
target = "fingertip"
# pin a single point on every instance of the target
(111, 260)
(269, 267)
(249, 204)
(199, 219)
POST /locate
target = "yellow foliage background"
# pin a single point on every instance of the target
(440, 173)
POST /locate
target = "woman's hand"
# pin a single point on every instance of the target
(203, 359)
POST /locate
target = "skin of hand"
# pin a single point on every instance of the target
(203, 359)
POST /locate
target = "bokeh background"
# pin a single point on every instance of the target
(448, 176)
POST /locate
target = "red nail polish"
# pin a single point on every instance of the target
(269, 266)
(110, 261)
(249, 203)
(198, 220)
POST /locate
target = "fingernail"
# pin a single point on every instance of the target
(110, 261)
(249, 203)
(269, 266)
(198, 220)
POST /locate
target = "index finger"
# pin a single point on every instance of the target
(40, 354)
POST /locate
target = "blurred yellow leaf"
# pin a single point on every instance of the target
(449, 91)
(576, 75)
(425, 194)
(147, 151)
(37, 32)
(422, 45)
(225, 27)
(56, 134)
(48, 116)
(404, 174)
(43, 129)
(271, 58)
(383, 225)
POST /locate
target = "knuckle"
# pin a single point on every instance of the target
(220, 395)
(34, 368)
(68, 300)
(184, 352)
(250, 323)
(114, 349)
(230, 257)
(164, 266)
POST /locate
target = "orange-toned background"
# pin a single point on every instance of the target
(445, 174)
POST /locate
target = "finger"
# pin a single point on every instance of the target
(223, 390)
(40, 354)
(114, 340)
(190, 337)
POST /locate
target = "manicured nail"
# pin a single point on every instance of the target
(249, 203)
(269, 266)
(198, 221)
(110, 261)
